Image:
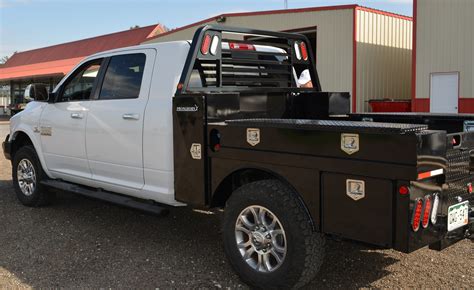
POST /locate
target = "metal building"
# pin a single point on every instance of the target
(443, 56)
(360, 50)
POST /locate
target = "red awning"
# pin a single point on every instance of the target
(57, 67)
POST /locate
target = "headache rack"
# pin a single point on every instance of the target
(237, 59)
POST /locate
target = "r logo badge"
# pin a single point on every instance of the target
(253, 136)
(355, 189)
(350, 143)
(195, 151)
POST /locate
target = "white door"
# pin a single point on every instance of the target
(444, 92)
(114, 131)
(63, 124)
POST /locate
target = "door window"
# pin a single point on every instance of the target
(80, 86)
(123, 77)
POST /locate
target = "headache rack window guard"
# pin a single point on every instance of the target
(251, 69)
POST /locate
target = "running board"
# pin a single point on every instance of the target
(108, 197)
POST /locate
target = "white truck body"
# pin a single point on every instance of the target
(123, 145)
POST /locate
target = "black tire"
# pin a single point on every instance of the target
(40, 196)
(305, 247)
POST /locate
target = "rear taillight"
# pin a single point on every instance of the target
(426, 212)
(214, 44)
(241, 46)
(304, 51)
(403, 190)
(206, 43)
(415, 223)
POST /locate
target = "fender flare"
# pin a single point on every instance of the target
(36, 144)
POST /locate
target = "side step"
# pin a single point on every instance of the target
(108, 197)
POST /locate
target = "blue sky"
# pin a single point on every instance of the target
(29, 24)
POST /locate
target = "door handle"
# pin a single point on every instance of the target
(131, 116)
(77, 115)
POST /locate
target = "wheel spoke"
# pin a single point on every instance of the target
(266, 260)
(242, 229)
(255, 216)
(248, 253)
(246, 222)
(276, 256)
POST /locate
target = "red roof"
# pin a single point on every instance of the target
(60, 59)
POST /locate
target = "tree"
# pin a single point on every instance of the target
(5, 58)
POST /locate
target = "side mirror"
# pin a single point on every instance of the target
(36, 92)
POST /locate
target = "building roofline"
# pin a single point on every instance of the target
(89, 38)
(283, 11)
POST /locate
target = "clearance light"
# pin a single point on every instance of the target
(434, 212)
(241, 46)
(297, 51)
(403, 190)
(206, 43)
(426, 212)
(430, 174)
(304, 51)
(214, 44)
(415, 223)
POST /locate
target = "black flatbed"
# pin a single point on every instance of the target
(332, 125)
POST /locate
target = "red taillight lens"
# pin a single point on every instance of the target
(403, 190)
(415, 223)
(426, 212)
(241, 46)
(304, 51)
(206, 43)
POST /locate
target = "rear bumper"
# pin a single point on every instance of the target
(7, 148)
(466, 232)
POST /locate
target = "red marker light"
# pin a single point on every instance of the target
(206, 43)
(304, 51)
(415, 224)
(403, 190)
(469, 187)
(241, 46)
(426, 212)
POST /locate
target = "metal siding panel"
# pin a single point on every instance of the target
(445, 43)
(383, 58)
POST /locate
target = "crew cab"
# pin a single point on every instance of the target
(221, 122)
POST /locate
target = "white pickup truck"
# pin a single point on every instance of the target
(221, 122)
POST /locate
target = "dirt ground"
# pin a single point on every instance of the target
(78, 242)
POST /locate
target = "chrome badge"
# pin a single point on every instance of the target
(253, 136)
(355, 189)
(350, 143)
(195, 151)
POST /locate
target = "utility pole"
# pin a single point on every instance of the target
(286, 4)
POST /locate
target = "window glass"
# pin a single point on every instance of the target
(81, 85)
(123, 77)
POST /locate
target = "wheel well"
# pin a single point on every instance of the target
(238, 178)
(20, 139)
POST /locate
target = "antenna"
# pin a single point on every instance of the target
(286, 4)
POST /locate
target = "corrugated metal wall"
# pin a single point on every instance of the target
(445, 43)
(384, 55)
(334, 40)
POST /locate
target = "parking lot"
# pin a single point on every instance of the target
(78, 242)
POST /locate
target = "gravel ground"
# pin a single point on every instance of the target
(78, 242)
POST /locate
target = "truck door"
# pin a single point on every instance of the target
(114, 131)
(63, 123)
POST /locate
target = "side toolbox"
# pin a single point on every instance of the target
(358, 208)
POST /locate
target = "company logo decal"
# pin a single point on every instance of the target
(350, 143)
(253, 136)
(46, 131)
(195, 151)
(194, 108)
(355, 189)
